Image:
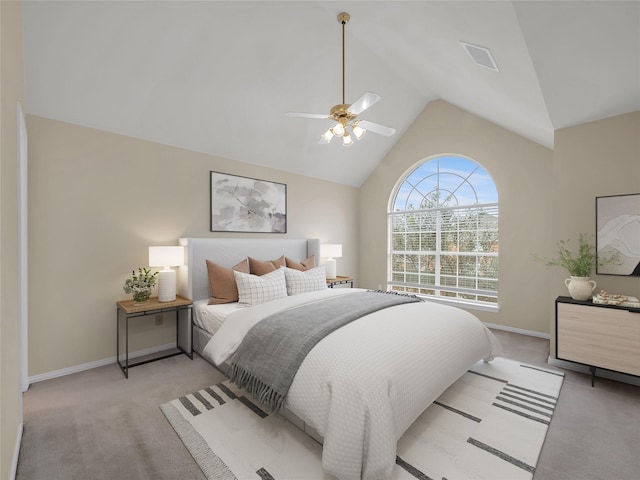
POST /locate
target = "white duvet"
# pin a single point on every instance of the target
(362, 386)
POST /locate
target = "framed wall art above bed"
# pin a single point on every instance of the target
(244, 204)
(618, 233)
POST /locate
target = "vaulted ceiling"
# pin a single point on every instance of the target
(218, 77)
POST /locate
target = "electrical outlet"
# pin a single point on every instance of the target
(158, 320)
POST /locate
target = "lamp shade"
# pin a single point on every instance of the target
(331, 250)
(165, 256)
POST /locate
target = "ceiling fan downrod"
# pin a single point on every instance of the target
(339, 112)
(343, 18)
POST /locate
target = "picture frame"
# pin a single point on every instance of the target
(618, 233)
(245, 204)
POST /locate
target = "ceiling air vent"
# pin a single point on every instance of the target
(481, 56)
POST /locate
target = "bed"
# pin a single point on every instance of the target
(359, 388)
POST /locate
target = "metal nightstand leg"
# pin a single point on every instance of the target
(186, 351)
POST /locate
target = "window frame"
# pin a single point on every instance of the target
(439, 291)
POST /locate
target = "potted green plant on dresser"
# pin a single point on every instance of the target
(580, 265)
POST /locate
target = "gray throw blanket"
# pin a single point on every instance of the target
(268, 358)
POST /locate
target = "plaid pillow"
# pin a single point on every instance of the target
(305, 281)
(253, 289)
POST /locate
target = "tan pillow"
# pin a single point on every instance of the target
(306, 264)
(222, 284)
(258, 267)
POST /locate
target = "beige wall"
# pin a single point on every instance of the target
(522, 172)
(11, 91)
(592, 160)
(97, 201)
(544, 196)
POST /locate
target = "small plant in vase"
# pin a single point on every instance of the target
(580, 266)
(140, 284)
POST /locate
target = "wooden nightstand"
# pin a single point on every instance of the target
(126, 309)
(339, 280)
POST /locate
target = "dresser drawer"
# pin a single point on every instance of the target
(598, 336)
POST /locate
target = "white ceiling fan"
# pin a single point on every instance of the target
(345, 115)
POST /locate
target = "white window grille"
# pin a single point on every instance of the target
(443, 233)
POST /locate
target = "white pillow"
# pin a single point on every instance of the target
(305, 281)
(254, 289)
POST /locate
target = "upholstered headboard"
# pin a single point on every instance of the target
(193, 276)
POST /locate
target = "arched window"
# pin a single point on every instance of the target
(443, 232)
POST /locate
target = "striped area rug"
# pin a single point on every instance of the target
(490, 424)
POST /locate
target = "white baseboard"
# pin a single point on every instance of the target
(16, 453)
(521, 331)
(578, 367)
(98, 363)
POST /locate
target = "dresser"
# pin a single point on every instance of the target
(597, 335)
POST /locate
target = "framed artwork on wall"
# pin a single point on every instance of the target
(243, 204)
(618, 232)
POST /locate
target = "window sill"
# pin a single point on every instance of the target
(462, 304)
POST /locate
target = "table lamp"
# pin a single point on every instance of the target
(329, 251)
(166, 257)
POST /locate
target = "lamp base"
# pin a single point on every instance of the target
(330, 268)
(166, 285)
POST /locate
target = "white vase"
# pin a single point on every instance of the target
(580, 288)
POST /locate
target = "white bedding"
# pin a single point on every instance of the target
(211, 317)
(363, 385)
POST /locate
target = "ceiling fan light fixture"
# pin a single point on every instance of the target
(327, 136)
(346, 140)
(338, 130)
(358, 132)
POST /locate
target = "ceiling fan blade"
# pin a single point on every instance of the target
(376, 128)
(364, 102)
(307, 115)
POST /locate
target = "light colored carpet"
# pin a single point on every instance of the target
(98, 425)
(490, 424)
